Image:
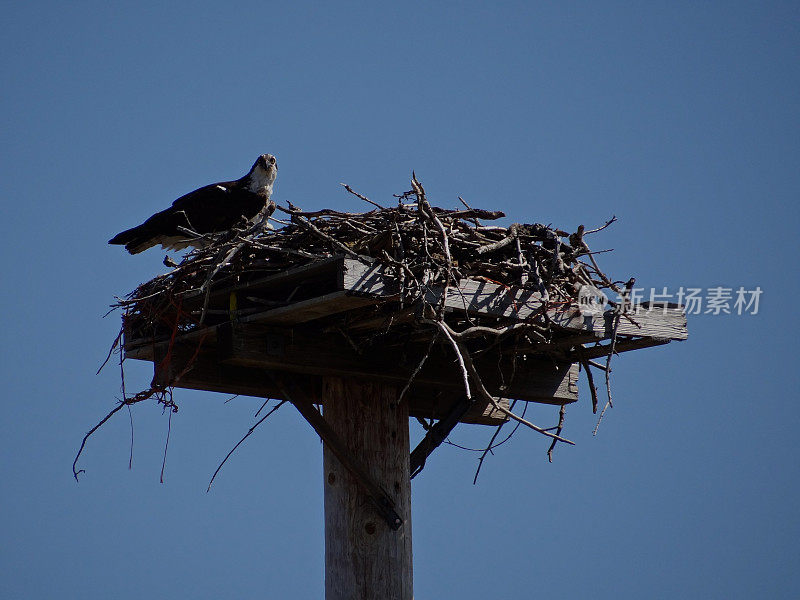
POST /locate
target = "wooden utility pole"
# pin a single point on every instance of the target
(364, 557)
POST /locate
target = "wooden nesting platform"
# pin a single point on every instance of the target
(317, 320)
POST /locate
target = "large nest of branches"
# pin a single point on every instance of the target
(427, 252)
(422, 245)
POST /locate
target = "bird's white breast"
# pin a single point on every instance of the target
(261, 182)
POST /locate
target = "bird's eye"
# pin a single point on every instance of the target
(272, 160)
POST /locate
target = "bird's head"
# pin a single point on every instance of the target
(264, 171)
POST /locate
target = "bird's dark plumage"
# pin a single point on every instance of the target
(212, 208)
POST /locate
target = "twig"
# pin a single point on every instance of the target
(239, 443)
(465, 360)
(130, 455)
(475, 219)
(501, 442)
(596, 365)
(606, 224)
(619, 313)
(561, 412)
(111, 351)
(459, 356)
(434, 337)
(125, 395)
(357, 195)
(489, 447)
(426, 210)
(166, 446)
(75, 472)
(313, 228)
(502, 243)
(592, 389)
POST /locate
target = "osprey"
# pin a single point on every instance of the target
(215, 207)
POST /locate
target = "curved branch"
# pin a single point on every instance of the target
(239, 443)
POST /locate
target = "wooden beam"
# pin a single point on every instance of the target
(380, 498)
(310, 309)
(205, 372)
(437, 434)
(364, 557)
(350, 284)
(661, 323)
(622, 345)
(280, 279)
(302, 351)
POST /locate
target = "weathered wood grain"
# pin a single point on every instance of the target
(622, 345)
(488, 298)
(381, 500)
(303, 351)
(311, 309)
(207, 373)
(662, 323)
(364, 557)
(295, 274)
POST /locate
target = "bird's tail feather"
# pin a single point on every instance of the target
(135, 240)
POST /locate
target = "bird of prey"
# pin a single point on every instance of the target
(212, 208)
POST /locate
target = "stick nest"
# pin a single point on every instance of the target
(423, 245)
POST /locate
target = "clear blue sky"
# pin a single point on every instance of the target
(680, 118)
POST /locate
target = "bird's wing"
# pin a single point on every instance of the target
(214, 207)
(208, 208)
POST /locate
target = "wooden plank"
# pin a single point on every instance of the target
(294, 274)
(361, 284)
(481, 412)
(368, 278)
(304, 351)
(487, 298)
(208, 374)
(434, 403)
(622, 345)
(299, 312)
(662, 323)
(473, 296)
(308, 310)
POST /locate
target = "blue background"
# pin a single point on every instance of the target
(680, 118)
